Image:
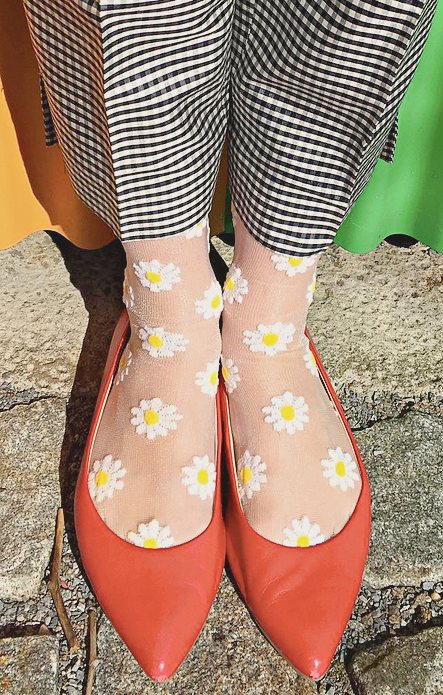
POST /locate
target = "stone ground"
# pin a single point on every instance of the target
(377, 323)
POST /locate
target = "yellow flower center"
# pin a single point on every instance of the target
(155, 341)
(213, 378)
(215, 301)
(151, 417)
(150, 543)
(302, 541)
(270, 339)
(153, 277)
(340, 468)
(287, 412)
(122, 363)
(229, 284)
(294, 261)
(246, 475)
(225, 372)
(202, 477)
(101, 478)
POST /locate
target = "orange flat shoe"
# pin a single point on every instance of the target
(157, 599)
(301, 598)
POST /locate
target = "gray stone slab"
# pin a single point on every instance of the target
(401, 666)
(404, 460)
(29, 666)
(230, 656)
(58, 304)
(30, 442)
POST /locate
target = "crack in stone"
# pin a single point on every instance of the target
(30, 400)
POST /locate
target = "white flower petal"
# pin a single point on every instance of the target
(199, 478)
(340, 469)
(157, 276)
(212, 303)
(269, 339)
(230, 374)
(287, 413)
(152, 418)
(105, 477)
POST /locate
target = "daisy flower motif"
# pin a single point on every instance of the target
(157, 276)
(270, 339)
(309, 358)
(123, 366)
(208, 380)
(302, 533)
(311, 289)
(128, 294)
(154, 418)
(198, 229)
(251, 475)
(287, 413)
(230, 374)
(292, 265)
(340, 469)
(236, 286)
(105, 476)
(159, 343)
(200, 477)
(212, 304)
(151, 535)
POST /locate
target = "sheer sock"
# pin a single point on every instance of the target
(297, 475)
(152, 474)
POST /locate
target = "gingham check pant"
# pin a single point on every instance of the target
(139, 95)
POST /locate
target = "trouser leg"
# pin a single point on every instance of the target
(315, 91)
(138, 93)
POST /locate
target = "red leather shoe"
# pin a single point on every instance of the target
(157, 599)
(301, 598)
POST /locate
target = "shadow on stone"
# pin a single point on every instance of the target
(98, 276)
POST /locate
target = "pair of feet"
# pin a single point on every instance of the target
(153, 475)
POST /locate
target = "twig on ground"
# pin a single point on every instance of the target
(54, 584)
(92, 651)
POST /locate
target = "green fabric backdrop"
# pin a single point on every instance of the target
(406, 196)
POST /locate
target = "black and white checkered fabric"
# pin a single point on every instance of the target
(140, 94)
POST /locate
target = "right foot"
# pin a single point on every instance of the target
(152, 474)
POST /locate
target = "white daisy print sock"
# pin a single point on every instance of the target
(152, 475)
(297, 476)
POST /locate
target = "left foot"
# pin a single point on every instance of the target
(297, 475)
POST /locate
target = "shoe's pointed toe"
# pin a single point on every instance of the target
(159, 623)
(304, 604)
(169, 635)
(156, 599)
(301, 598)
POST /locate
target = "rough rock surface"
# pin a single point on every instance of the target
(404, 460)
(57, 314)
(30, 442)
(29, 665)
(401, 666)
